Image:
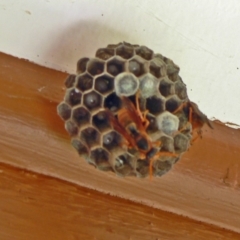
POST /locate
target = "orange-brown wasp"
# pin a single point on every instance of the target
(195, 117)
(132, 124)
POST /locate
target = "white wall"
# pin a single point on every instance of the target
(202, 37)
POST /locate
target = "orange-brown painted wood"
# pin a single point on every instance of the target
(34, 206)
(203, 185)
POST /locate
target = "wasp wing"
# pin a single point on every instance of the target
(134, 115)
(119, 128)
(201, 115)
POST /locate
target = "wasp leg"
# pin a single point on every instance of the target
(157, 157)
(189, 115)
(143, 116)
(157, 143)
(180, 107)
(199, 134)
(137, 105)
(190, 119)
(145, 120)
(125, 145)
(194, 139)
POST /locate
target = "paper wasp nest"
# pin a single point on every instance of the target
(117, 71)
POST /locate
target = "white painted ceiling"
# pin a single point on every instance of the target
(202, 37)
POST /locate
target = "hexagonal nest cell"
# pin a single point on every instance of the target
(127, 111)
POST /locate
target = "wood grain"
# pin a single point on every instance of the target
(34, 206)
(203, 185)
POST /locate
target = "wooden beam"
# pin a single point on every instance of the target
(34, 206)
(203, 185)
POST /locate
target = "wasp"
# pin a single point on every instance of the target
(131, 123)
(195, 117)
